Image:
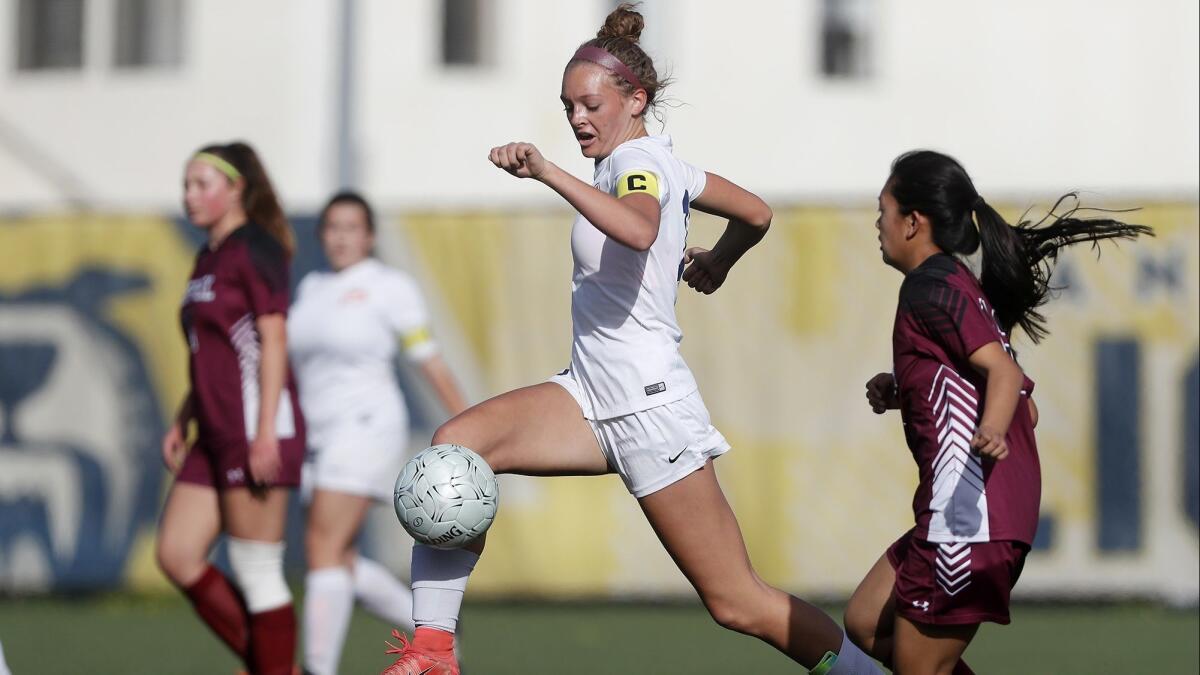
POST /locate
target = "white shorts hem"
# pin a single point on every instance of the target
(637, 446)
(353, 488)
(679, 474)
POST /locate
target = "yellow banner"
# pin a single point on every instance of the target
(92, 364)
(821, 485)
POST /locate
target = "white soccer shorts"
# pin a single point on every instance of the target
(654, 448)
(348, 458)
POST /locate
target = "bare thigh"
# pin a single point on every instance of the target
(695, 523)
(257, 515)
(334, 519)
(925, 649)
(536, 431)
(190, 523)
(870, 614)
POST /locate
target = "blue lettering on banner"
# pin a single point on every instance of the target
(1165, 273)
(1044, 537)
(1118, 444)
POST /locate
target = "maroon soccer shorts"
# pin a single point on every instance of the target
(227, 466)
(956, 583)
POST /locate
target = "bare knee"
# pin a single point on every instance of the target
(860, 627)
(322, 548)
(181, 564)
(447, 433)
(466, 431)
(457, 431)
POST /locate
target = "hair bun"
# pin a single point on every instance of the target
(624, 22)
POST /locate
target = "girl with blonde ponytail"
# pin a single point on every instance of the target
(627, 403)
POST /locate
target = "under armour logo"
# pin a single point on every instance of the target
(923, 605)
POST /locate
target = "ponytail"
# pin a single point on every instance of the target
(258, 196)
(1017, 261)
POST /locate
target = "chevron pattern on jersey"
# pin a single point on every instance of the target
(959, 499)
(952, 567)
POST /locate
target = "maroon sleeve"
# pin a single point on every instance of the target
(949, 317)
(264, 273)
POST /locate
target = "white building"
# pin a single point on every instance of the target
(102, 100)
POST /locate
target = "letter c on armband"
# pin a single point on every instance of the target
(637, 182)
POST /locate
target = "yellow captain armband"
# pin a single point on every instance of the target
(637, 182)
(415, 338)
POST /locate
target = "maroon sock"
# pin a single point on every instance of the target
(273, 641)
(961, 668)
(222, 607)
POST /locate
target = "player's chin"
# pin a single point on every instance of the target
(589, 146)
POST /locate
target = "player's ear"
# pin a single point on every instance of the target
(637, 102)
(913, 223)
(239, 187)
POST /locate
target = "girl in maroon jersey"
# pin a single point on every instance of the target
(966, 406)
(249, 445)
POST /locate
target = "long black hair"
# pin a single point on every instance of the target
(1017, 259)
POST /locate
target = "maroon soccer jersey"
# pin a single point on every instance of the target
(942, 318)
(245, 277)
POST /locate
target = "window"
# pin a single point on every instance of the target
(149, 33)
(463, 33)
(49, 34)
(846, 38)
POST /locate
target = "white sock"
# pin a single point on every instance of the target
(3, 665)
(853, 661)
(382, 594)
(439, 580)
(328, 603)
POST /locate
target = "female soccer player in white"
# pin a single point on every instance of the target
(628, 403)
(343, 332)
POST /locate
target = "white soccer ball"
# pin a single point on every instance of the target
(446, 496)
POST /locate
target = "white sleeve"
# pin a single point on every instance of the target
(695, 179)
(303, 286)
(635, 170)
(406, 314)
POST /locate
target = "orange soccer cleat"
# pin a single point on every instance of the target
(430, 653)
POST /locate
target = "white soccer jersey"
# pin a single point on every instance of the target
(342, 338)
(625, 351)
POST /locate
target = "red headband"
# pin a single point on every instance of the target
(600, 56)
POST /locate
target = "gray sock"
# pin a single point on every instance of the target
(853, 661)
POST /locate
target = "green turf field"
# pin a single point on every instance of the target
(135, 635)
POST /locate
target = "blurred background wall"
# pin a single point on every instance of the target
(102, 101)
